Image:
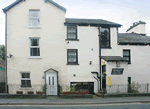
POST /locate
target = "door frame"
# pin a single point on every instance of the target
(51, 69)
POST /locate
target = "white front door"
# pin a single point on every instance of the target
(51, 81)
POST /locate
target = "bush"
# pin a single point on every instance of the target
(134, 87)
(44, 88)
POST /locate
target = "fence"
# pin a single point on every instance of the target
(45, 89)
(126, 88)
(56, 90)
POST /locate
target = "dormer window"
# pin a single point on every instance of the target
(34, 18)
(105, 38)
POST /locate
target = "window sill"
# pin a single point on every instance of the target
(30, 27)
(72, 39)
(106, 47)
(35, 57)
(23, 88)
(72, 64)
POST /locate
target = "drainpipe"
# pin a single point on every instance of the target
(99, 55)
(45, 84)
(6, 53)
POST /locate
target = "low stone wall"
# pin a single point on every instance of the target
(76, 96)
(125, 95)
(21, 96)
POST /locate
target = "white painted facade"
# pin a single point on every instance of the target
(53, 48)
(140, 29)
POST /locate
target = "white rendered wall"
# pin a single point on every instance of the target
(140, 29)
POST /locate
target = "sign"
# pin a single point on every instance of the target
(117, 71)
(103, 62)
(109, 81)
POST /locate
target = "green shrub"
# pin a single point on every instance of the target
(44, 88)
(134, 87)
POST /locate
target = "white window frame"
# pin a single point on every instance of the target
(24, 78)
(38, 18)
(35, 47)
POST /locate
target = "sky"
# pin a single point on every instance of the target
(124, 12)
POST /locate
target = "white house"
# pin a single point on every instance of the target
(44, 47)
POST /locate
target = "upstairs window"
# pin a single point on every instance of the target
(25, 80)
(126, 54)
(34, 47)
(105, 37)
(34, 18)
(72, 32)
(72, 56)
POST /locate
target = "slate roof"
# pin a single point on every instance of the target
(18, 1)
(2, 64)
(132, 38)
(140, 22)
(113, 58)
(90, 21)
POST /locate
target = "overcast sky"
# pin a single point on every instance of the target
(124, 12)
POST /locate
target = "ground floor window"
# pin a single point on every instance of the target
(84, 85)
(25, 80)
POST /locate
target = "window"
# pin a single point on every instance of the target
(72, 32)
(34, 47)
(72, 56)
(105, 37)
(126, 54)
(25, 80)
(34, 18)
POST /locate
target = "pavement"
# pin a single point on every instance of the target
(58, 101)
(88, 106)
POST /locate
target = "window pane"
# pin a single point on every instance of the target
(28, 82)
(23, 75)
(34, 22)
(23, 83)
(127, 58)
(71, 29)
(27, 75)
(49, 80)
(104, 33)
(71, 36)
(34, 42)
(52, 80)
(72, 56)
(35, 52)
(126, 53)
(104, 43)
(34, 13)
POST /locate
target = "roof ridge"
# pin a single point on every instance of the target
(18, 1)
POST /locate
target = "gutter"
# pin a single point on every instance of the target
(6, 90)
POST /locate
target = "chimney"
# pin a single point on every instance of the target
(137, 27)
